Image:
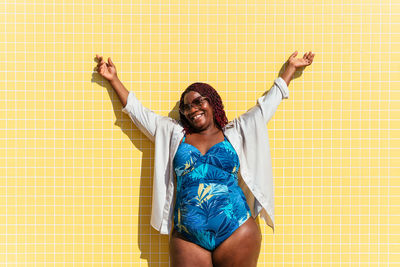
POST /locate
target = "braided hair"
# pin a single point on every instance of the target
(214, 99)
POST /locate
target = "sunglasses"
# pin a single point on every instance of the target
(196, 103)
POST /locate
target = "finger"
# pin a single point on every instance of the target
(110, 62)
(306, 57)
(293, 55)
(311, 57)
(102, 69)
(97, 68)
(100, 64)
(99, 58)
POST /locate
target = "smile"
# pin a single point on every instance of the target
(193, 118)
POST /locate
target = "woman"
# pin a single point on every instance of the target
(211, 177)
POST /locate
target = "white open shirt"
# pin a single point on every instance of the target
(248, 135)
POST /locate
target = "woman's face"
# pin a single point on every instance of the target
(198, 111)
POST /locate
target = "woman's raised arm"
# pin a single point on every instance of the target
(109, 72)
(146, 120)
(270, 101)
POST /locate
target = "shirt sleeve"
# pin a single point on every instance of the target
(268, 103)
(145, 119)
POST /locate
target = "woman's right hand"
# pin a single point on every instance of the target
(106, 70)
(294, 64)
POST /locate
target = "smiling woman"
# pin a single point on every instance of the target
(205, 158)
(201, 91)
(198, 112)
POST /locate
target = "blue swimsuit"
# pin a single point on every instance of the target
(210, 205)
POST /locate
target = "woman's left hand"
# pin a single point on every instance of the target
(301, 62)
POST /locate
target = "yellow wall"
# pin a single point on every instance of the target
(75, 173)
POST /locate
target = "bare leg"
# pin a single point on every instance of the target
(184, 253)
(242, 248)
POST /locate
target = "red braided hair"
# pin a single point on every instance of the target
(215, 101)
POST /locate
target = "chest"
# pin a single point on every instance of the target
(202, 143)
(217, 163)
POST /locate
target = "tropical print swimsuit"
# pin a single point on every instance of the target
(210, 205)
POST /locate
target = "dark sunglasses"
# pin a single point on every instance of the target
(196, 103)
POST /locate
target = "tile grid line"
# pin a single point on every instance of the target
(54, 130)
(389, 137)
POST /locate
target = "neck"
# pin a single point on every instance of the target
(212, 130)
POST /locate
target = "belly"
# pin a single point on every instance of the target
(209, 213)
(208, 205)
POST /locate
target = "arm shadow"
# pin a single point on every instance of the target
(153, 246)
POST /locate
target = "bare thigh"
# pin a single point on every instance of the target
(242, 248)
(184, 253)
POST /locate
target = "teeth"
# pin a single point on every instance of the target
(197, 116)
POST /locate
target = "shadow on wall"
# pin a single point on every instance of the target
(153, 246)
